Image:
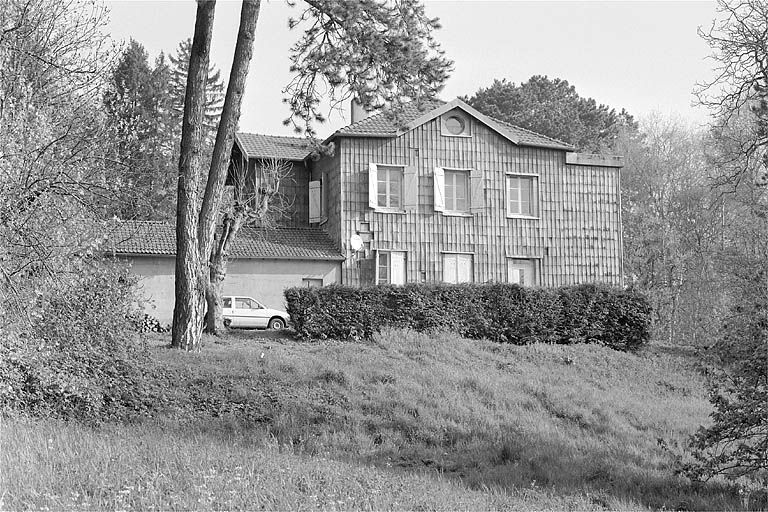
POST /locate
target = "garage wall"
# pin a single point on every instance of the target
(263, 280)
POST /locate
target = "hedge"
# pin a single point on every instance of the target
(504, 313)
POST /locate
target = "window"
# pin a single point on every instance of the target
(455, 123)
(390, 186)
(457, 268)
(246, 303)
(456, 191)
(390, 268)
(393, 188)
(312, 282)
(522, 196)
(227, 302)
(521, 271)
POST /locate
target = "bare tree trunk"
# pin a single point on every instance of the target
(214, 320)
(225, 136)
(190, 279)
(222, 149)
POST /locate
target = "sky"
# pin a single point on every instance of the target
(645, 56)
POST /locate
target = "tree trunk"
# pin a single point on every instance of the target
(225, 136)
(214, 321)
(190, 279)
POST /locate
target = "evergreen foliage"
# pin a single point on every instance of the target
(500, 312)
(552, 107)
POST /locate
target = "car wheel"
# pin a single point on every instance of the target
(277, 324)
(227, 322)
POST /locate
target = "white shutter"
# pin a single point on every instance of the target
(410, 188)
(477, 188)
(513, 274)
(449, 268)
(315, 204)
(439, 186)
(373, 189)
(464, 272)
(397, 271)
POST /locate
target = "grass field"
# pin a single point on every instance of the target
(406, 422)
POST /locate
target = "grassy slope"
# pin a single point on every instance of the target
(406, 422)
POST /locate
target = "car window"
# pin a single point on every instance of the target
(227, 302)
(243, 303)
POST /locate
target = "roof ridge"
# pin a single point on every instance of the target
(273, 136)
(505, 123)
(437, 102)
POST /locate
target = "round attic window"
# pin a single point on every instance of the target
(455, 125)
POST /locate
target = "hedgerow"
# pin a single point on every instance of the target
(500, 312)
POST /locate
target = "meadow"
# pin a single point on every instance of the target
(409, 421)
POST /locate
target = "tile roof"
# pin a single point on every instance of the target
(382, 125)
(274, 146)
(159, 238)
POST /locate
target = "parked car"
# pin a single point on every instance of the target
(241, 311)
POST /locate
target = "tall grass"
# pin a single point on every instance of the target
(407, 422)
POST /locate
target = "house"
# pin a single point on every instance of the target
(445, 193)
(438, 193)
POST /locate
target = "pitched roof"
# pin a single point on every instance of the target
(152, 238)
(383, 125)
(273, 146)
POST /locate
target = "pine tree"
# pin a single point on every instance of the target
(214, 91)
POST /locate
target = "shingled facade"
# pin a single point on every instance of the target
(443, 193)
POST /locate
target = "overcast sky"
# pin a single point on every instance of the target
(642, 56)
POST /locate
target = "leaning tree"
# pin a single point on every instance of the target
(381, 53)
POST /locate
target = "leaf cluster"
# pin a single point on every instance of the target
(380, 53)
(736, 443)
(553, 107)
(78, 355)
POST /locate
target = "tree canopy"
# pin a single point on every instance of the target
(552, 107)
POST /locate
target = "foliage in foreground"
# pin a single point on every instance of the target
(408, 421)
(499, 312)
(77, 355)
(736, 443)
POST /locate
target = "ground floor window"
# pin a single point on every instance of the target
(390, 268)
(312, 282)
(521, 271)
(457, 268)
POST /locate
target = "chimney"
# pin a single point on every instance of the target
(357, 112)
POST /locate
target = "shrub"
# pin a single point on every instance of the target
(77, 355)
(736, 443)
(500, 312)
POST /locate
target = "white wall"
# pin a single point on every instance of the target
(264, 280)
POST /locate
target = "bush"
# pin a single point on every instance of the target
(77, 354)
(736, 443)
(500, 312)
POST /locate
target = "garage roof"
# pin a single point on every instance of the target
(152, 238)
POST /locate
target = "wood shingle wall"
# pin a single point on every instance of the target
(576, 238)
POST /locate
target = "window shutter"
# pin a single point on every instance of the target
(464, 272)
(439, 185)
(514, 275)
(397, 272)
(410, 188)
(315, 213)
(477, 197)
(373, 182)
(449, 268)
